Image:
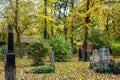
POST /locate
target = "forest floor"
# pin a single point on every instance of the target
(73, 70)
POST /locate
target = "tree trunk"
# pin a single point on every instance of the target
(52, 32)
(72, 39)
(107, 27)
(17, 31)
(87, 21)
(65, 32)
(45, 20)
(86, 43)
(72, 42)
(20, 45)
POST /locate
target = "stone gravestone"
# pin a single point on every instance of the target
(10, 68)
(104, 54)
(104, 58)
(81, 54)
(94, 63)
(95, 56)
(52, 60)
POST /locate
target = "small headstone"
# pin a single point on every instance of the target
(95, 56)
(94, 63)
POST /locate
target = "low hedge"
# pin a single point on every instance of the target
(43, 69)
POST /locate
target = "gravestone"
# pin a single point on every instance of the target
(10, 68)
(94, 63)
(95, 56)
(101, 61)
(104, 54)
(104, 58)
(52, 60)
(81, 54)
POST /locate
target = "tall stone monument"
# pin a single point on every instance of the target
(10, 68)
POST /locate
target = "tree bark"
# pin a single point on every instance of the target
(52, 31)
(87, 21)
(86, 43)
(20, 45)
(45, 20)
(17, 31)
(72, 38)
(65, 15)
(107, 27)
(65, 32)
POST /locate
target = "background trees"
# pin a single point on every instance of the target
(19, 14)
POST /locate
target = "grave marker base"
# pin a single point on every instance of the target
(10, 73)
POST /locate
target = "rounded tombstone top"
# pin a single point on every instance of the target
(95, 50)
(103, 48)
(95, 55)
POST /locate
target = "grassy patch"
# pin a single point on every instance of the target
(23, 62)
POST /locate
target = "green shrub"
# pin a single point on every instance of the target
(39, 50)
(42, 69)
(3, 49)
(2, 57)
(115, 47)
(61, 47)
(113, 68)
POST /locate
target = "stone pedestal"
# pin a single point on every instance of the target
(104, 65)
(94, 64)
(10, 73)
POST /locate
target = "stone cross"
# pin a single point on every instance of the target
(95, 56)
(10, 68)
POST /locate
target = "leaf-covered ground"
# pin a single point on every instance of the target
(64, 71)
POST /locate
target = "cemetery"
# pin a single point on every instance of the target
(59, 40)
